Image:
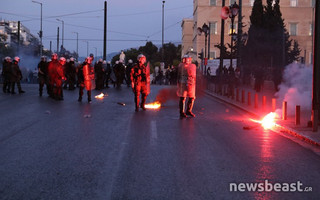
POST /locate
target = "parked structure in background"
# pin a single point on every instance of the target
(9, 34)
(298, 18)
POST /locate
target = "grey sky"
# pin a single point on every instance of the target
(130, 22)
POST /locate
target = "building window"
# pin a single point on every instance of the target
(310, 58)
(232, 2)
(293, 3)
(293, 29)
(311, 29)
(213, 2)
(251, 2)
(235, 28)
(213, 28)
(212, 55)
(313, 3)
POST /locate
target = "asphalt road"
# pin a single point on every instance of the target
(69, 150)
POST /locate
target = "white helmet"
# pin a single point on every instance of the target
(72, 59)
(117, 62)
(130, 61)
(140, 56)
(16, 59)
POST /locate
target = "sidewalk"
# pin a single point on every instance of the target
(256, 107)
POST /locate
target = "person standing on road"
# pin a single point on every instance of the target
(52, 67)
(86, 79)
(43, 74)
(140, 81)
(186, 85)
(16, 75)
(59, 77)
(6, 73)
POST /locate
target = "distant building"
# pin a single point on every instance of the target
(297, 15)
(9, 34)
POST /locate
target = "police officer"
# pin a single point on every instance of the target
(186, 85)
(43, 74)
(6, 73)
(52, 67)
(128, 71)
(86, 78)
(140, 81)
(59, 77)
(99, 73)
(16, 75)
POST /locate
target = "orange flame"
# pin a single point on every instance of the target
(100, 96)
(268, 122)
(153, 105)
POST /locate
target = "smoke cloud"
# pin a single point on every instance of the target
(296, 87)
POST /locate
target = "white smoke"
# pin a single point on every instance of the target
(296, 87)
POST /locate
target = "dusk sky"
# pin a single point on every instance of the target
(130, 23)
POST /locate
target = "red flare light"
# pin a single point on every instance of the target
(100, 96)
(269, 121)
(153, 105)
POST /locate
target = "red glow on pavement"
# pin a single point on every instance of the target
(268, 122)
(153, 105)
(100, 96)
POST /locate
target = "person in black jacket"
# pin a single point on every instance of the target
(6, 73)
(43, 74)
(16, 75)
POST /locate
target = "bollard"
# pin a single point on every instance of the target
(249, 99)
(264, 102)
(256, 100)
(242, 96)
(284, 110)
(273, 104)
(237, 94)
(297, 115)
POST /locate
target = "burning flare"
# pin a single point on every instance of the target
(153, 105)
(268, 121)
(100, 96)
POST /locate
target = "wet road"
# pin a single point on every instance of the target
(69, 150)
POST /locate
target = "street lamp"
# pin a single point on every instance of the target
(62, 30)
(162, 51)
(205, 30)
(40, 33)
(77, 43)
(234, 9)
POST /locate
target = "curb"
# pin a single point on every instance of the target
(284, 129)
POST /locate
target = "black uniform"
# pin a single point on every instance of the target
(99, 73)
(6, 73)
(16, 76)
(43, 76)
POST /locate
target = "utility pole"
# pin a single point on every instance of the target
(239, 41)
(77, 44)
(40, 33)
(162, 50)
(222, 38)
(18, 36)
(105, 32)
(58, 40)
(316, 70)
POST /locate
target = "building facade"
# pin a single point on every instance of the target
(297, 15)
(9, 33)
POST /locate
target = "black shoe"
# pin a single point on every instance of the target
(190, 114)
(13, 93)
(21, 91)
(80, 99)
(89, 101)
(183, 115)
(137, 109)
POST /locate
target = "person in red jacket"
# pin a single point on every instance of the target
(52, 66)
(59, 77)
(186, 85)
(88, 79)
(140, 81)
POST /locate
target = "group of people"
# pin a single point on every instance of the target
(60, 73)
(12, 75)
